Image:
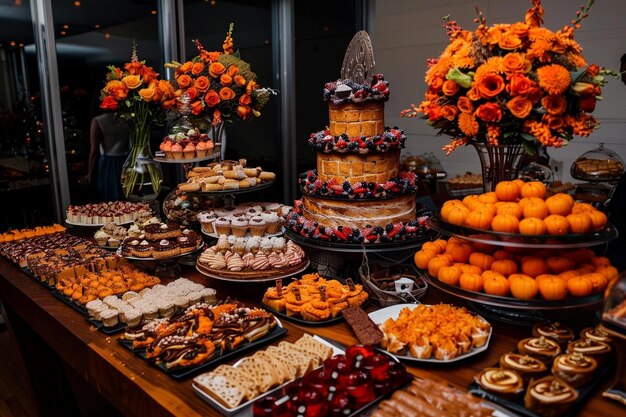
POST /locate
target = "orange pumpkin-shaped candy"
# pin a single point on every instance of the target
(488, 207)
(502, 254)
(533, 189)
(423, 257)
(469, 269)
(481, 260)
(600, 261)
(449, 275)
(448, 206)
(437, 263)
(559, 204)
(580, 286)
(567, 275)
(471, 200)
(558, 264)
(582, 208)
(553, 289)
(598, 220)
(488, 198)
(507, 191)
(479, 219)
(431, 246)
(441, 243)
(533, 266)
(454, 239)
(497, 285)
(541, 277)
(460, 251)
(505, 267)
(471, 282)
(510, 208)
(532, 226)
(598, 281)
(579, 223)
(489, 273)
(523, 287)
(523, 201)
(556, 225)
(457, 215)
(608, 271)
(535, 207)
(505, 223)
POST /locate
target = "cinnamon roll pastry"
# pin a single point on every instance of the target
(542, 348)
(574, 368)
(597, 334)
(557, 331)
(526, 366)
(550, 396)
(505, 383)
(600, 351)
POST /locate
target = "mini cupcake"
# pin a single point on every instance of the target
(574, 368)
(239, 226)
(505, 383)
(166, 148)
(207, 221)
(222, 226)
(114, 242)
(177, 151)
(257, 226)
(273, 207)
(189, 151)
(109, 317)
(203, 148)
(272, 221)
(101, 237)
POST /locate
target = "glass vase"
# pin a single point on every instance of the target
(141, 174)
(499, 163)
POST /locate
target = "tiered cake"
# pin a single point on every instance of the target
(357, 193)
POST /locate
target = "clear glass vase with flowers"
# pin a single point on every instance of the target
(137, 96)
(517, 85)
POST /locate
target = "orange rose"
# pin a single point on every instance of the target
(168, 104)
(489, 112)
(185, 68)
(146, 94)
(192, 93)
(225, 79)
(449, 112)
(473, 94)
(490, 86)
(252, 85)
(239, 80)
(233, 70)
(514, 62)
(165, 89)
(212, 99)
(133, 67)
(553, 122)
(554, 104)
(214, 56)
(196, 107)
(465, 104)
(245, 99)
(227, 94)
(509, 41)
(184, 81)
(519, 85)
(117, 89)
(216, 69)
(520, 29)
(109, 103)
(450, 88)
(202, 83)
(243, 111)
(436, 84)
(197, 68)
(132, 81)
(520, 107)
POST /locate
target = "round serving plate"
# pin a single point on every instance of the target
(359, 247)
(94, 224)
(261, 186)
(248, 235)
(516, 240)
(231, 277)
(355, 199)
(136, 258)
(187, 161)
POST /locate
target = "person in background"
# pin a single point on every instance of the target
(108, 137)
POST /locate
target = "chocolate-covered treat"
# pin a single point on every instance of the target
(364, 328)
(526, 366)
(542, 348)
(165, 249)
(557, 331)
(550, 396)
(505, 383)
(574, 368)
(143, 249)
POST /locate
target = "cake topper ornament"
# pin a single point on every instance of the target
(359, 59)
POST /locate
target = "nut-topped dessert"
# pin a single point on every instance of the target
(526, 366)
(597, 334)
(550, 396)
(557, 331)
(542, 348)
(506, 383)
(574, 368)
(600, 351)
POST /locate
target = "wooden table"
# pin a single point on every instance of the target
(50, 334)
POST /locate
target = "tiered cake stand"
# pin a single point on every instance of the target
(516, 311)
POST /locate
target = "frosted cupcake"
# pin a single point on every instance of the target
(207, 221)
(189, 151)
(239, 226)
(101, 237)
(257, 226)
(265, 246)
(272, 221)
(177, 151)
(203, 148)
(222, 226)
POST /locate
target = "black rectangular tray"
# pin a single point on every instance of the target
(518, 405)
(106, 330)
(30, 274)
(217, 358)
(59, 295)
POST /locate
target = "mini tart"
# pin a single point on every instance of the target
(526, 366)
(600, 351)
(505, 383)
(562, 334)
(143, 250)
(549, 396)
(165, 249)
(574, 368)
(597, 334)
(186, 244)
(542, 348)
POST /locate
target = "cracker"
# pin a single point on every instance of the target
(320, 349)
(224, 390)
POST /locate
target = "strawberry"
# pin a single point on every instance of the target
(341, 235)
(389, 185)
(396, 229)
(338, 189)
(360, 190)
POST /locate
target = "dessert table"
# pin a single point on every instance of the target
(53, 337)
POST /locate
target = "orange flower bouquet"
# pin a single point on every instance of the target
(137, 96)
(219, 85)
(511, 84)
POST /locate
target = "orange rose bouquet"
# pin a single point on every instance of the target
(219, 85)
(514, 83)
(137, 96)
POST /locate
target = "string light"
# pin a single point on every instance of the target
(77, 3)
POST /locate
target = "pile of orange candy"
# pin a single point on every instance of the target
(526, 274)
(522, 207)
(20, 234)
